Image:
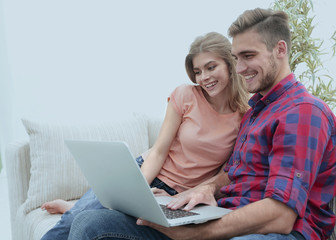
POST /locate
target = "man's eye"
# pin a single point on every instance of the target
(249, 56)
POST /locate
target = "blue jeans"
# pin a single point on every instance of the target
(89, 201)
(271, 236)
(110, 224)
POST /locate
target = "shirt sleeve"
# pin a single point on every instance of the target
(181, 98)
(300, 139)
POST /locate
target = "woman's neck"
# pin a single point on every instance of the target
(219, 103)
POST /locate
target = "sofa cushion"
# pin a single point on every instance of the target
(54, 172)
(35, 224)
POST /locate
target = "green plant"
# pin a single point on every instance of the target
(306, 51)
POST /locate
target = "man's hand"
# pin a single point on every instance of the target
(261, 217)
(190, 198)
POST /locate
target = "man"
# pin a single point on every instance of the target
(281, 175)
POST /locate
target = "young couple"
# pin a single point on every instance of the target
(281, 175)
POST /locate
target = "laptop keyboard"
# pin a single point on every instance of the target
(172, 214)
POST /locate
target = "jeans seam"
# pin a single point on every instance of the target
(116, 235)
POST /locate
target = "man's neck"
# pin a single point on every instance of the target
(284, 72)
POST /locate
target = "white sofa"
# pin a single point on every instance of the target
(42, 169)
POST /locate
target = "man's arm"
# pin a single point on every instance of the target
(264, 216)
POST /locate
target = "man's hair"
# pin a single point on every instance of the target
(272, 26)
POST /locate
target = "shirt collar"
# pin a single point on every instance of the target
(274, 93)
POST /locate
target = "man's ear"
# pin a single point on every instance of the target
(281, 49)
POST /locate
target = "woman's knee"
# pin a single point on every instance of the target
(84, 225)
(90, 220)
(91, 224)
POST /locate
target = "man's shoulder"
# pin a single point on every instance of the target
(301, 97)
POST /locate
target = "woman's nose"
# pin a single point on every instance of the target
(205, 76)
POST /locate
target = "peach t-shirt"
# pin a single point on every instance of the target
(204, 140)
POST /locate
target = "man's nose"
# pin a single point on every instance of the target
(240, 66)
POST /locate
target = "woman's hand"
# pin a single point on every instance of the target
(159, 192)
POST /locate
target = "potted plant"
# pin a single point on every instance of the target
(306, 51)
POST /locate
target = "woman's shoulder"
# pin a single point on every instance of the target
(186, 89)
(186, 86)
(185, 93)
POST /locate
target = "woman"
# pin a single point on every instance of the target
(198, 132)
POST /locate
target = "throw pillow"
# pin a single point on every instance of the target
(54, 172)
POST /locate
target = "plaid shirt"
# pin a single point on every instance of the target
(285, 150)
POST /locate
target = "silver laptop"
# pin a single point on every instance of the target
(116, 179)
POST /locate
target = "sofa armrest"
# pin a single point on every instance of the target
(17, 156)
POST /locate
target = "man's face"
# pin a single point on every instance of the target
(255, 63)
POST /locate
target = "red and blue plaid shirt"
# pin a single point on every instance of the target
(285, 150)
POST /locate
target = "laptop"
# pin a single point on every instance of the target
(116, 179)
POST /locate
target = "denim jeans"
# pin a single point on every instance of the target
(89, 201)
(111, 224)
(62, 228)
(272, 236)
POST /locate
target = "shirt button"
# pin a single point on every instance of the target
(267, 101)
(299, 175)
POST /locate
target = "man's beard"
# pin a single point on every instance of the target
(268, 80)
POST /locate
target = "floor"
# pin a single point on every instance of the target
(5, 229)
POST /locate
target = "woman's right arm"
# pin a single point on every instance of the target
(158, 153)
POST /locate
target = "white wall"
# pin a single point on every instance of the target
(95, 60)
(325, 25)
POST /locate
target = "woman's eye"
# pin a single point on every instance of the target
(197, 72)
(212, 67)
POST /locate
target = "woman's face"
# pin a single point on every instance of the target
(211, 73)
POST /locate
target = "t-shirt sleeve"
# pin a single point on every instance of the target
(299, 143)
(181, 98)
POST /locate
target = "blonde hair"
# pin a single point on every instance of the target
(272, 26)
(218, 44)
